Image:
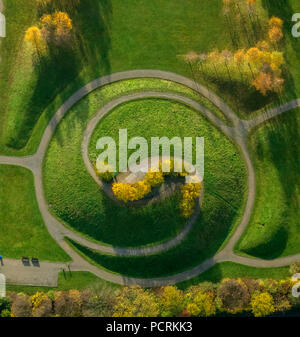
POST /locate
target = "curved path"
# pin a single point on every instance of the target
(237, 133)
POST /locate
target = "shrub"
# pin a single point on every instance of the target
(189, 192)
(128, 192)
(154, 178)
(262, 304)
(5, 313)
(5, 306)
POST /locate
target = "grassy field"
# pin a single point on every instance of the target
(111, 43)
(21, 225)
(234, 270)
(31, 93)
(92, 213)
(76, 280)
(274, 227)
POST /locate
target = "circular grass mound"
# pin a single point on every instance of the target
(77, 200)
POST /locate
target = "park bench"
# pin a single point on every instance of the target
(25, 260)
(35, 262)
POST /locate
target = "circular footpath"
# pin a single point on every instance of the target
(238, 133)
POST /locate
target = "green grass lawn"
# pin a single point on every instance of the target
(22, 227)
(116, 35)
(234, 270)
(76, 280)
(274, 227)
(91, 212)
(113, 43)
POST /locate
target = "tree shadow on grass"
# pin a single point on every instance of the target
(272, 248)
(244, 98)
(205, 238)
(62, 67)
(281, 147)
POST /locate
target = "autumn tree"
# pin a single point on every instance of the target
(275, 22)
(56, 26)
(239, 56)
(171, 301)
(265, 82)
(34, 36)
(275, 34)
(234, 295)
(41, 305)
(21, 306)
(200, 303)
(262, 304)
(98, 301)
(67, 304)
(295, 268)
(263, 46)
(136, 302)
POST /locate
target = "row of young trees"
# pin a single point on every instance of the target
(52, 29)
(231, 296)
(259, 65)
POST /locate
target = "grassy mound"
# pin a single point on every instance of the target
(77, 199)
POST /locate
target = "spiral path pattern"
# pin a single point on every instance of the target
(238, 133)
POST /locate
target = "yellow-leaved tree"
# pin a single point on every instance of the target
(201, 304)
(262, 304)
(136, 302)
(34, 36)
(56, 26)
(172, 301)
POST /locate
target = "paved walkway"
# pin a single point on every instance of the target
(45, 274)
(238, 133)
